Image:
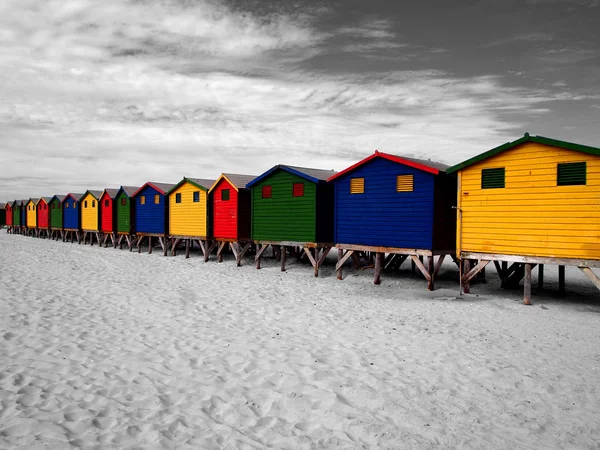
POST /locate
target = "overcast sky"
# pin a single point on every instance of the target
(97, 94)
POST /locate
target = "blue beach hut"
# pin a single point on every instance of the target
(151, 214)
(72, 217)
(396, 208)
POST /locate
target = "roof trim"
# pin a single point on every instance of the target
(186, 180)
(152, 185)
(259, 178)
(223, 177)
(92, 194)
(396, 159)
(72, 196)
(526, 138)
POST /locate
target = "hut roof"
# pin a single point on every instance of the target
(112, 193)
(46, 199)
(526, 138)
(75, 197)
(421, 164)
(198, 182)
(238, 181)
(163, 188)
(314, 175)
(94, 192)
(60, 198)
(129, 190)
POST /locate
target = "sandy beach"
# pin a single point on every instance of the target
(107, 349)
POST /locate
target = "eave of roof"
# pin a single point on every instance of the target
(526, 138)
(300, 171)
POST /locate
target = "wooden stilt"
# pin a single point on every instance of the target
(149, 244)
(259, 253)
(220, 251)
(540, 276)
(187, 248)
(466, 270)
(283, 252)
(431, 270)
(378, 265)
(561, 279)
(342, 258)
(527, 285)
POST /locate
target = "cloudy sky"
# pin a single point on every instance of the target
(98, 94)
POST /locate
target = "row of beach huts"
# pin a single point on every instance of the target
(531, 202)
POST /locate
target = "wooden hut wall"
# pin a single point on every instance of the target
(42, 214)
(124, 212)
(527, 213)
(31, 214)
(23, 213)
(150, 211)
(283, 217)
(382, 216)
(107, 213)
(231, 213)
(16, 214)
(71, 216)
(89, 212)
(8, 214)
(56, 216)
(189, 217)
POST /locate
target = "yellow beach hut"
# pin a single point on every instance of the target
(529, 202)
(90, 215)
(31, 211)
(188, 215)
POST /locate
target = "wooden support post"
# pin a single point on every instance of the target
(540, 276)
(139, 244)
(283, 252)
(259, 251)
(378, 265)
(220, 251)
(149, 244)
(527, 285)
(591, 276)
(431, 270)
(466, 270)
(187, 248)
(561, 279)
(419, 264)
(338, 266)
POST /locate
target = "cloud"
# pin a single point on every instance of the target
(117, 93)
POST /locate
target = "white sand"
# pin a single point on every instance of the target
(103, 348)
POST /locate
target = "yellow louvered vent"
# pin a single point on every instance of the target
(357, 186)
(404, 183)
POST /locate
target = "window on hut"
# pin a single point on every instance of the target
(123, 201)
(59, 206)
(93, 203)
(267, 191)
(85, 204)
(143, 200)
(196, 196)
(225, 195)
(357, 185)
(177, 198)
(298, 190)
(492, 178)
(67, 205)
(571, 174)
(156, 199)
(107, 203)
(405, 183)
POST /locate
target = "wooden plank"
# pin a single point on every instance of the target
(532, 259)
(323, 256)
(259, 253)
(149, 244)
(421, 267)
(234, 247)
(310, 256)
(527, 285)
(187, 248)
(174, 243)
(283, 253)
(591, 275)
(379, 249)
(431, 270)
(378, 266)
(438, 265)
(475, 270)
(342, 258)
(220, 248)
(209, 250)
(540, 277)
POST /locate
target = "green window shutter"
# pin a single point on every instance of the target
(492, 178)
(571, 174)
